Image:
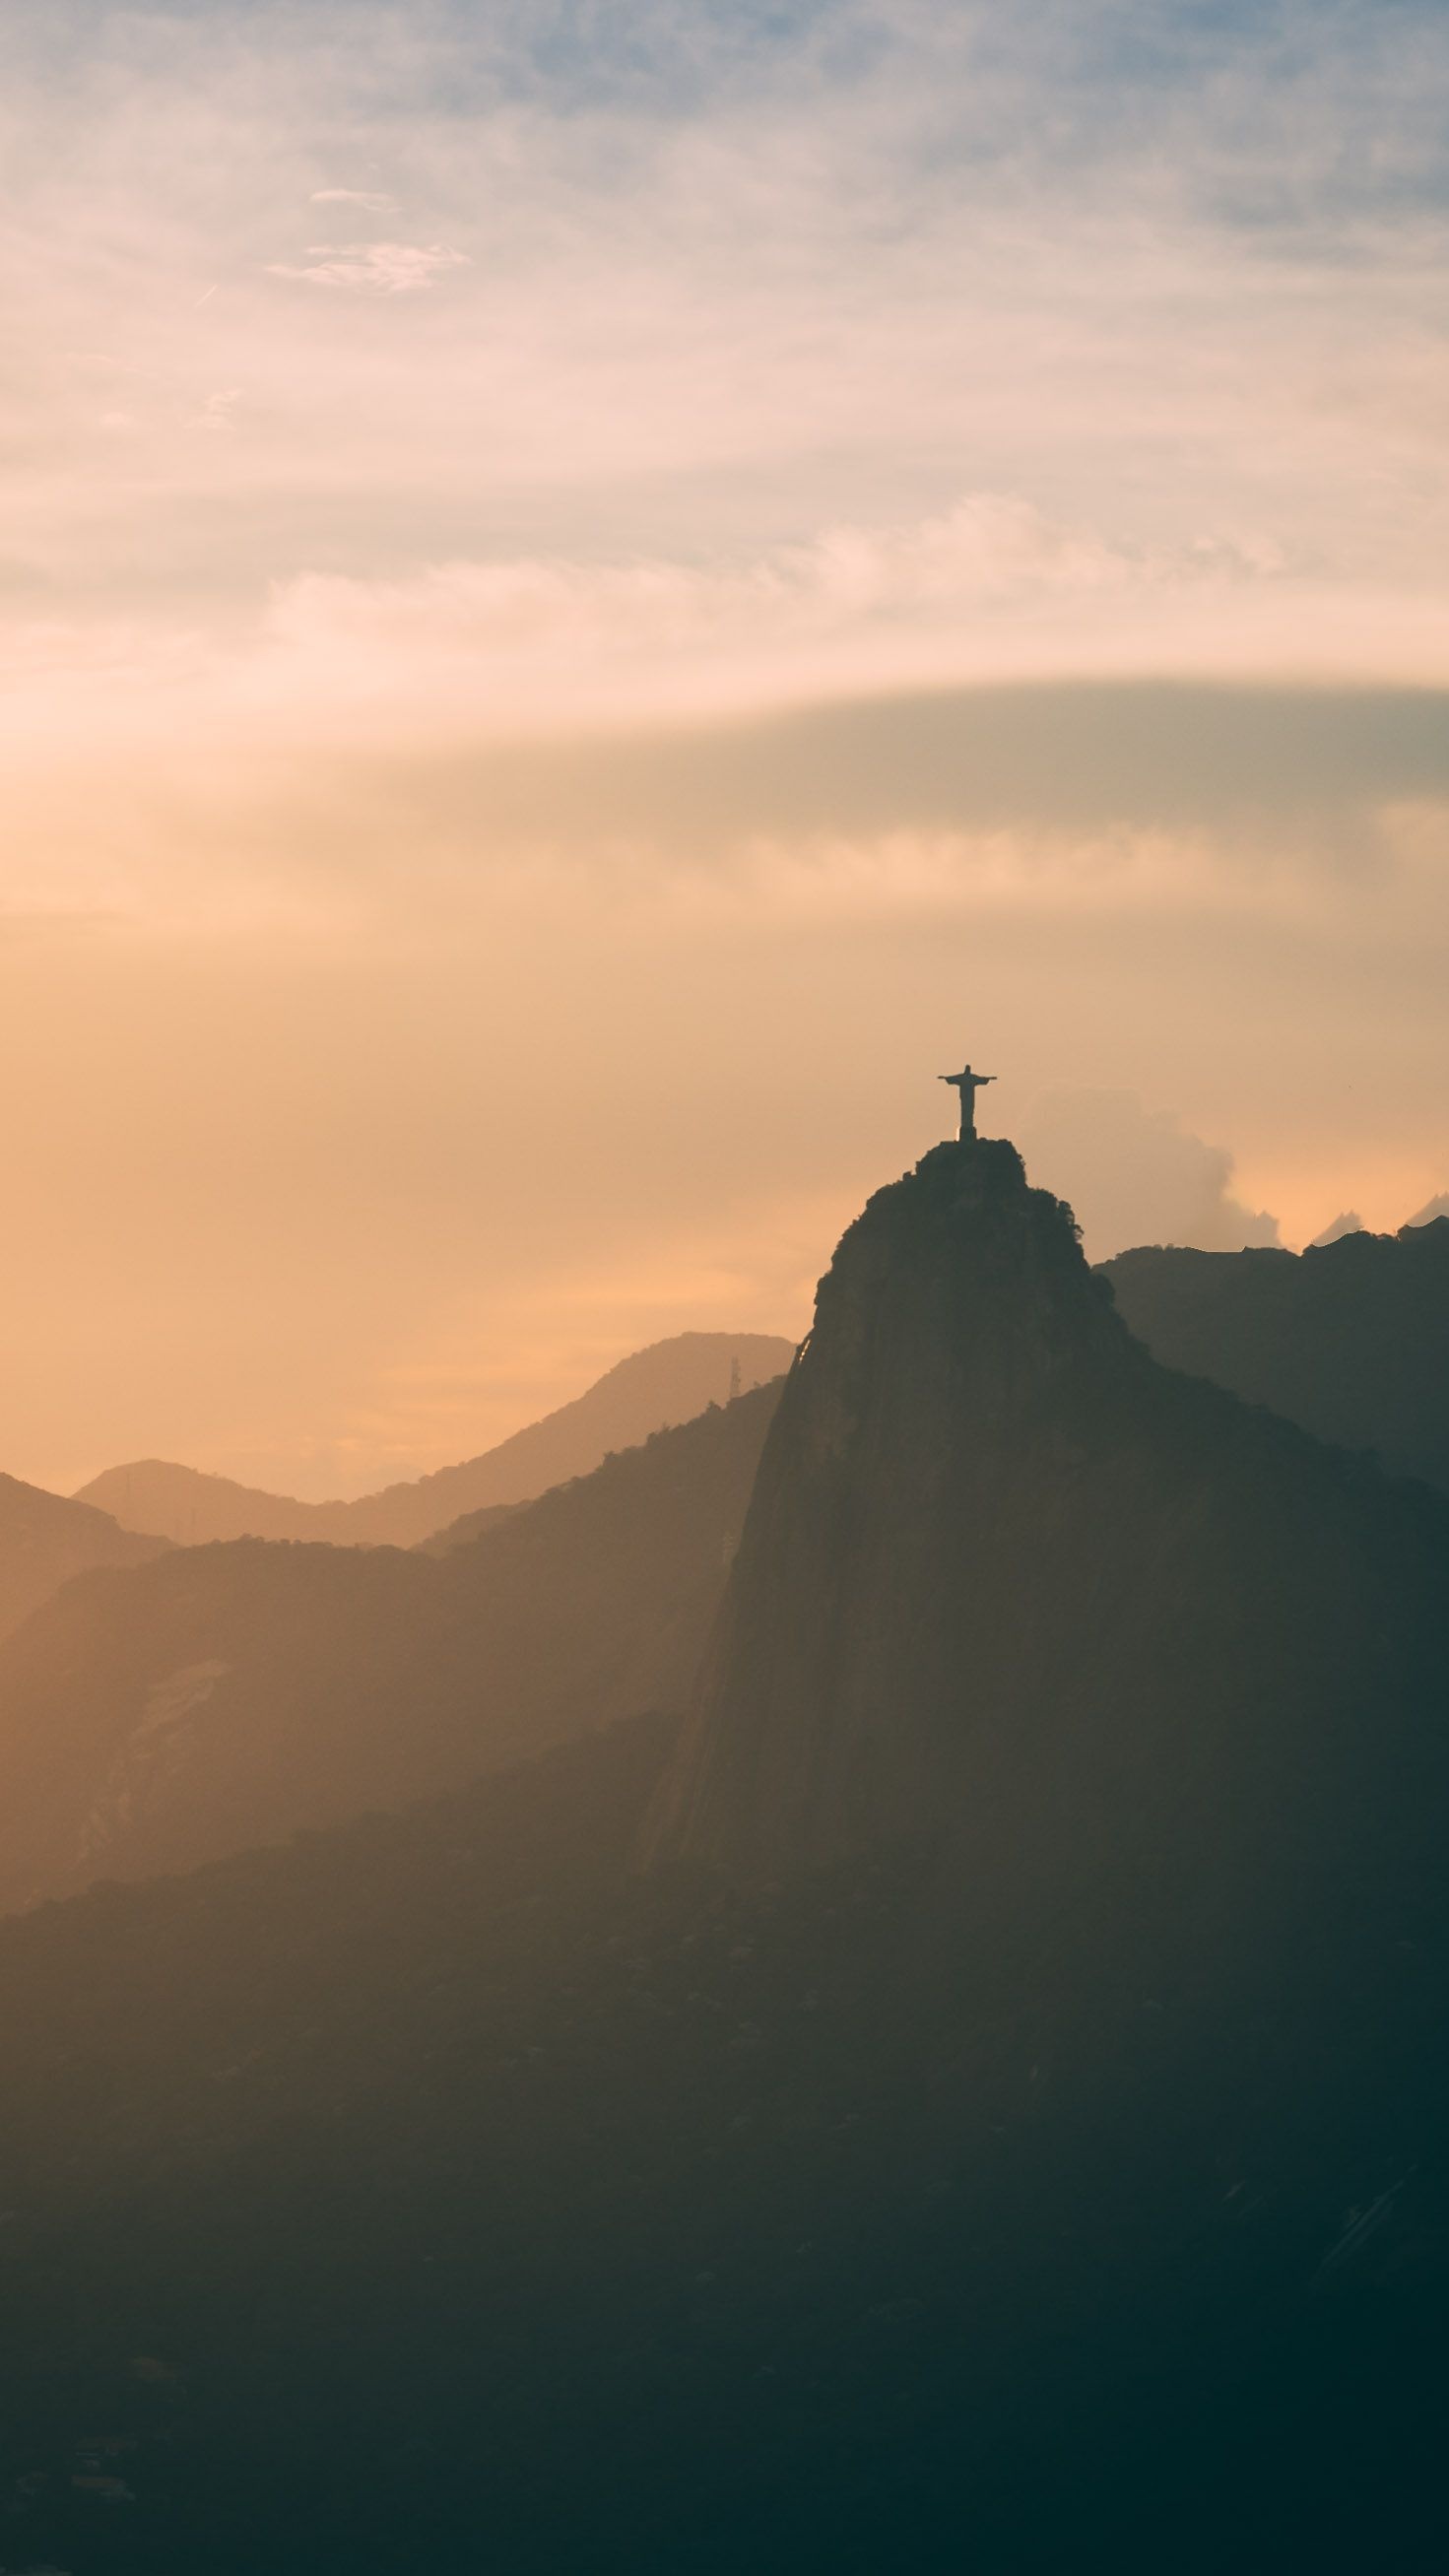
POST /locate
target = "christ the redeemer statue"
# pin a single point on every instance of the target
(966, 1084)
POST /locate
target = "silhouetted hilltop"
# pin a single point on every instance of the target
(653, 1389)
(193, 1509)
(46, 1538)
(996, 1554)
(227, 1695)
(1350, 1338)
(461, 1533)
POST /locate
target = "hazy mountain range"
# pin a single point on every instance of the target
(975, 2096)
(669, 1382)
(46, 1538)
(228, 1695)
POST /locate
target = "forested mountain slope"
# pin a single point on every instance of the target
(46, 1538)
(1350, 1339)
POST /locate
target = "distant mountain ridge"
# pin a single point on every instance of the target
(670, 1382)
(46, 1538)
(228, 1695)
(1350, 1339)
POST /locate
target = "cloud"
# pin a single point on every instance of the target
(629, 635)
(740, 276)
(985, 548)
(1134, 1175)
(373, 268)
(881, 621)
(1348, 1222)
(371, 204)
(991, 587)
(218, 411)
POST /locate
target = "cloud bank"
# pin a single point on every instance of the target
(1136, 1176)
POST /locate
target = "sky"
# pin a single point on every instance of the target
(590, 596)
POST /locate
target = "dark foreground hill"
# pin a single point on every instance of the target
(228, 1695)
(46, 1538)
(1041, 2161)
(442, 2193)
(1350, 1338)
(670, 1382)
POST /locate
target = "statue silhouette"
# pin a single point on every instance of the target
(966, 1084)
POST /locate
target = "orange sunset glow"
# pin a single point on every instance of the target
(565, 616)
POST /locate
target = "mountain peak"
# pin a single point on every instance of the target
(995, 1551)
(957, 1311)
(964, 1255)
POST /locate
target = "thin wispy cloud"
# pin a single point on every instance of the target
(218, 411)
(370, 203)
(990, 584)
(373, 268)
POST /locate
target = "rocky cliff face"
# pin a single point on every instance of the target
(1003, 1574)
